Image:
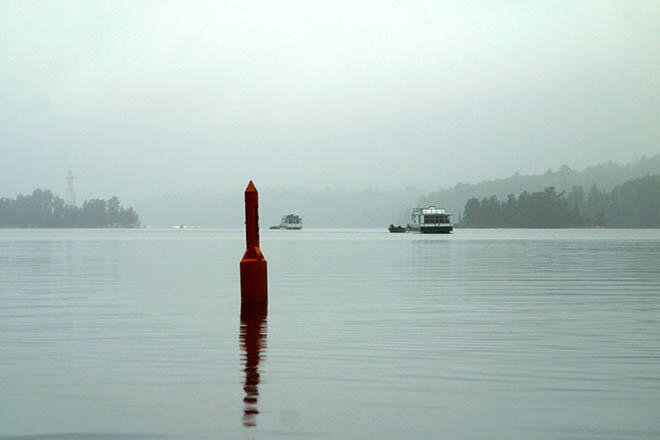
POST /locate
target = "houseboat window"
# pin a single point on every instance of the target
(436, 218)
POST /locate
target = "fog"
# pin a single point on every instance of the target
(143, 99)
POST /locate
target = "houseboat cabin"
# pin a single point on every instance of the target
(430, 220)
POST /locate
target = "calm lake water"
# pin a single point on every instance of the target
(498, 334)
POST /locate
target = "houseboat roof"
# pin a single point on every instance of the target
(429, 210)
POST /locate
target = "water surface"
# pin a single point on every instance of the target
(536, 334)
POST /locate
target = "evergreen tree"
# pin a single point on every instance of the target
(635, 204)
(471, 213)
(594, 207)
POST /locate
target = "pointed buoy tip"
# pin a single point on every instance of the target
(251, 187)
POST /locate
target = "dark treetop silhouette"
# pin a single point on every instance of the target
(43, 210)
(633, 204)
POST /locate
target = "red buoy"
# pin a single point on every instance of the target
(254, 285)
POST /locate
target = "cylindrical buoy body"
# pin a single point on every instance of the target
(254, 284)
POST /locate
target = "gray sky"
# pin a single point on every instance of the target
(145, 98)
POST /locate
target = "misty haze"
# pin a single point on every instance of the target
(394, 219)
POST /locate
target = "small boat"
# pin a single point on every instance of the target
(430, 220)
(399, 228)
(290, 221)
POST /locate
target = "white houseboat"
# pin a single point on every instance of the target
(430, 220)
(290, 221)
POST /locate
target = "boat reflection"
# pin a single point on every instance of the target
(253, 349)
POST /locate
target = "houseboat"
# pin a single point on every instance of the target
(430, 220)
(290, 221)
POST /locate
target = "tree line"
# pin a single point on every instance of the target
(633, 204)
(42, 209)
(605, 175)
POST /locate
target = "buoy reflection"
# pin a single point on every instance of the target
(253, 349)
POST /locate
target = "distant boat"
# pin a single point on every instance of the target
(397, 229)
(182, 226)
(430, 220)
(290, 221)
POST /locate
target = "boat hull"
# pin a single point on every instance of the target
(435, 229)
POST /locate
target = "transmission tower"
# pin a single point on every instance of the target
(70, 194)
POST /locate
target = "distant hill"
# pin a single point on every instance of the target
(318, 208)
(369, 207)
(606, 176)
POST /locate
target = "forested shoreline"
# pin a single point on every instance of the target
(42, 209)
(605, 175)
(633, 204)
